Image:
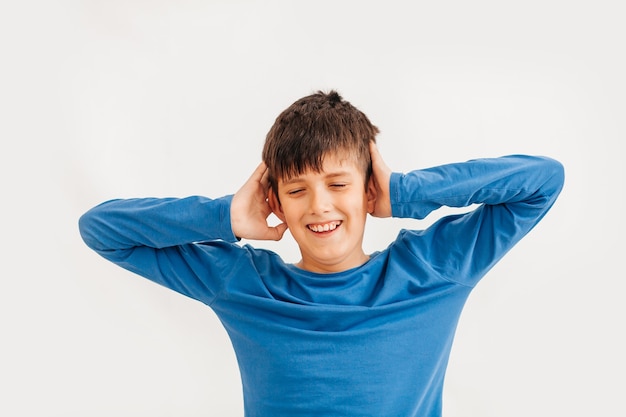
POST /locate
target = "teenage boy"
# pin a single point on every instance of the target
(341, 332)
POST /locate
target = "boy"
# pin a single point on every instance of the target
(341, 332)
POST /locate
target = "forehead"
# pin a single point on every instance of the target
(332, 165)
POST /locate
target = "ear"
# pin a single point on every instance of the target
(371, 194)
(277, 208)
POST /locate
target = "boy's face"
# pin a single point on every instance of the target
(326, 213)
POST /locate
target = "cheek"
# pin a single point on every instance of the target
(357, 206)
(291, 212)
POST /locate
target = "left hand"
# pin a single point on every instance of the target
(381, 175)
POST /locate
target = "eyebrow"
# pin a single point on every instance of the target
(330, 175)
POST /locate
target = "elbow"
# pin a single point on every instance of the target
(553, 173)
(84, 229)
(87, 228)
(557, 175)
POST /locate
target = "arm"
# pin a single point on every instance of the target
(513, 194)
(530, 183)
(158, 238)
(155, 239)
(117, 226)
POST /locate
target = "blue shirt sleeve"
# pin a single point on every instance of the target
(513, 194)
(182, 243)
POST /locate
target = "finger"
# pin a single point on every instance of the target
(278, 231)
(378, 164)
(258, 172)
(376, 156)
(374, 151)
(265, 178)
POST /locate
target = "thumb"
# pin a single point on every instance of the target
(277, 232)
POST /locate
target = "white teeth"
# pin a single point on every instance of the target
(324, 227)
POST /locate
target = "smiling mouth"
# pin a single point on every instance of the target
(324, 227)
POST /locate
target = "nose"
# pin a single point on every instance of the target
(320, 201)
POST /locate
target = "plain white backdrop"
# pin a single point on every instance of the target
(106, 99)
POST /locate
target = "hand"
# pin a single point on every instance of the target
(249, 209)
(381, 175)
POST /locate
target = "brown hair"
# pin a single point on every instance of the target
(312, 127)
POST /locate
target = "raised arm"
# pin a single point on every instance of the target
(513, 194)
(182, 243)
(114, 227)
(532, 182)
(159, 240)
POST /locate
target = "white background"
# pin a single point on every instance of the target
(128, 98)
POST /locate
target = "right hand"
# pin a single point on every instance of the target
(249, 209)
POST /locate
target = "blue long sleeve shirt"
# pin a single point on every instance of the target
(369, 341)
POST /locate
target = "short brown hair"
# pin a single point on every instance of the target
(313, 127)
